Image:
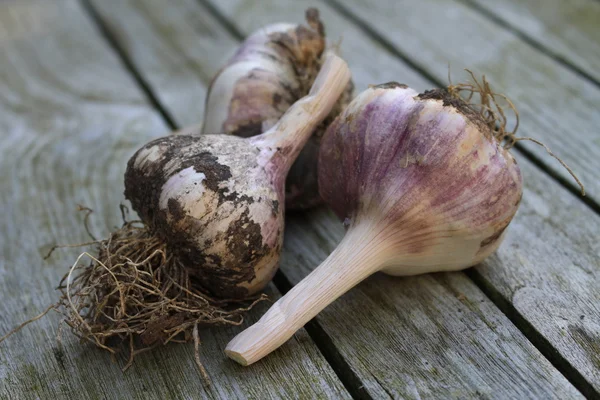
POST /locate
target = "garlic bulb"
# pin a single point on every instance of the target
(423, 185)
(217, 200)
(273, 68)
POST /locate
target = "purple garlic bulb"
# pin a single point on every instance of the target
(423, 185)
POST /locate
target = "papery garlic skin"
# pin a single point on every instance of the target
(273, 68)
(426, 168)
(246, 98)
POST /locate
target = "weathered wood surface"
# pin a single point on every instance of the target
(556, 105)
(306, 245)
(567, 29)
(553, 250)
(448, 338)
(178, 49)
(538, 259)
(70, 117)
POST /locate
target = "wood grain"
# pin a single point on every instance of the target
(554, 102)
(71, 116)
(567, 29)
(558, 265)
(178, 49)
(151, 36)
(472, 335)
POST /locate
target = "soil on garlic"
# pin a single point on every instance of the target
(220, 170)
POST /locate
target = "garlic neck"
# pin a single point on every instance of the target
(360, 254)
(281, 144)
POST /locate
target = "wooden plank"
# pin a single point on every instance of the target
(556, 105)
(469, 334)
(554, 276)
(178, 48)
(567, 29)
(550, 262)
(71, 116)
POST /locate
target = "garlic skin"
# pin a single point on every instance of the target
(245, 98)
(273, 68)
(426, 168)
(217, 201)
(422, 185)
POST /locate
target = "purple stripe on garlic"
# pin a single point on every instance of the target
(422, 163)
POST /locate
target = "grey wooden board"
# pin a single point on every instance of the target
(554, 102)
(567, 28)
(550, 262)
(178, 48)
(70, 117)
(554, 246)
(303, 241)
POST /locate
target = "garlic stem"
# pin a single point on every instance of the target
(284, 141)
(360, 254)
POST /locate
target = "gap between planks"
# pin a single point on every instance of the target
(531, 41)
(129, 65)
(222, 19)
(532, 334)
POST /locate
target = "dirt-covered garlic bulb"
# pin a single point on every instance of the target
(423, 184)
(209, 238)
(217, 200)
(273, 68)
